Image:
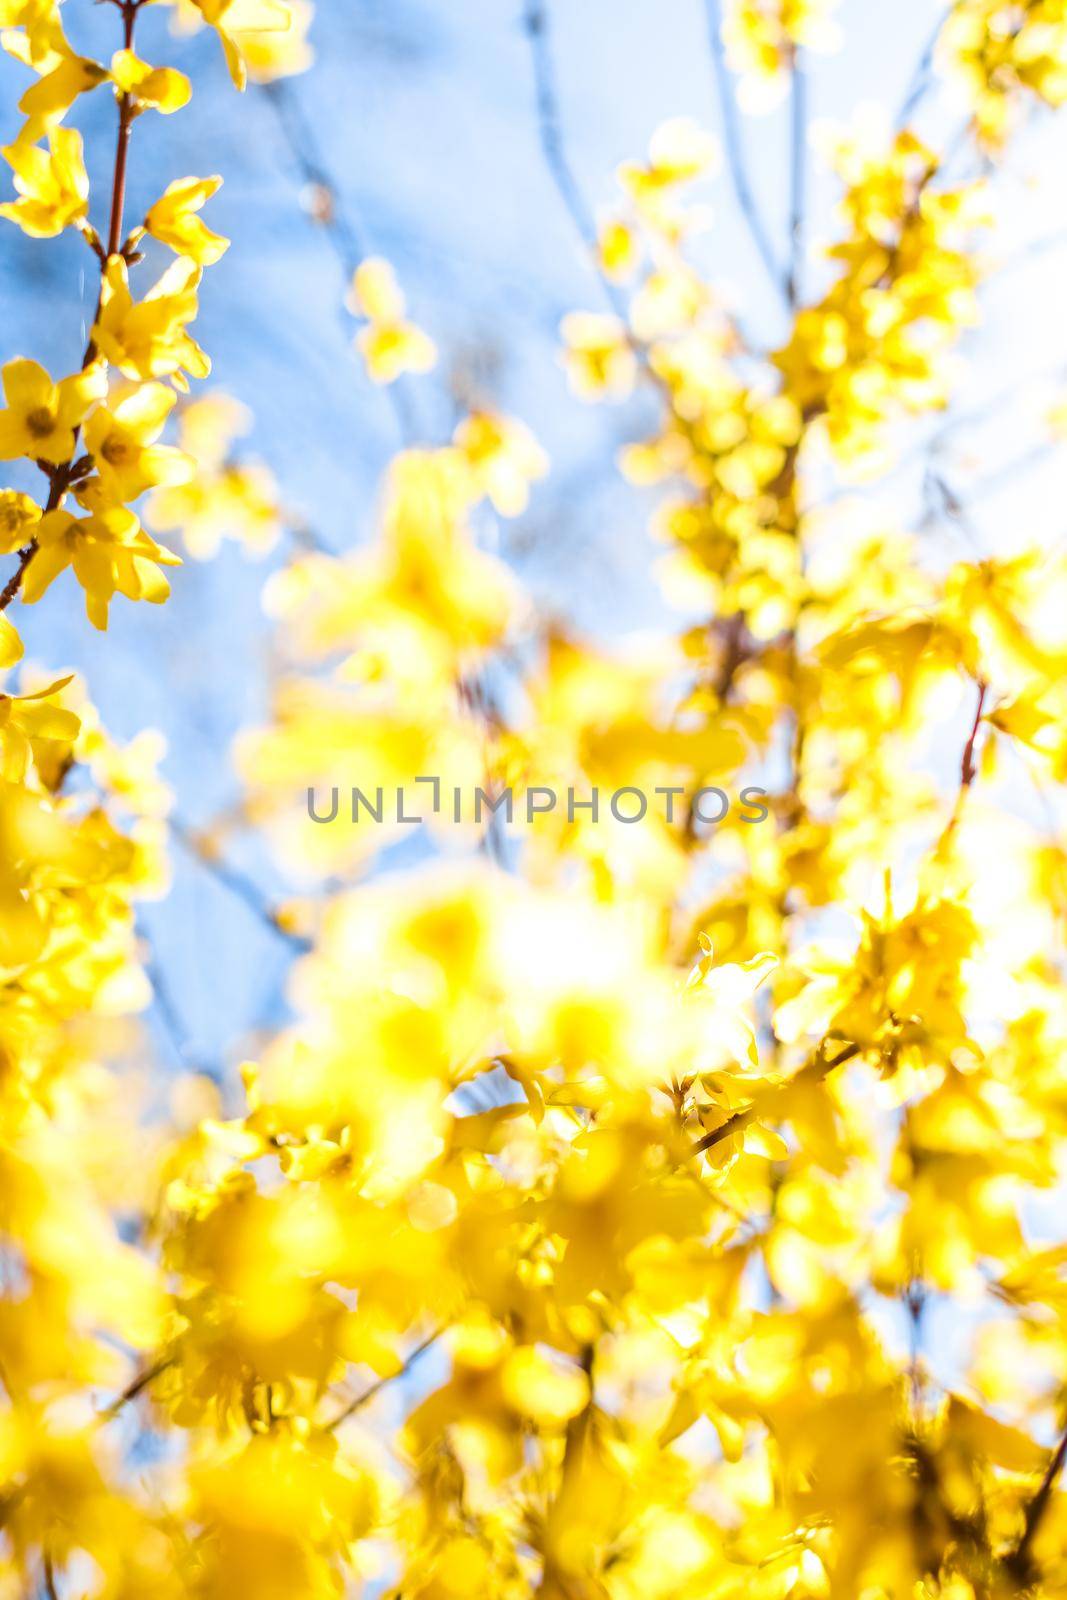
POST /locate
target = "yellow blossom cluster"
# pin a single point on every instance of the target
(225, 496)
(1002, 56)
(762, 38)
(580, 1234)
(399, 632)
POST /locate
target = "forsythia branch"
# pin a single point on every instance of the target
(365, 1397)
(127, 113)
(819, 1065)
(61, 477)
(735, 155)
(325, 208)
(238, 884)
(536, 23)
(1019, 1562)
(136, 1387)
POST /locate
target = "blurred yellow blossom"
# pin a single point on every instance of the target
(389, 344)
(53, 185)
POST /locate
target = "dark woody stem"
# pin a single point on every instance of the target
(127, 112)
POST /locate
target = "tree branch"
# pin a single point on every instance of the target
(742, 1119)
(169, 1014)
(535, 21)
(60, 477)
(968, 768)
(127, 113)
(139, 1384)
(239, 885)
(14, 583)
(735, 156)
(1019, 1562)
(376, 1388)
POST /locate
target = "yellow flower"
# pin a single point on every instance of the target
(504, 459)
(225, 498)
(28, 719)
(278, 53)
(375, 292)
(128, 772)
(252, 34)
(10, 643)
(121, 437)
(173, 220)
(49, 100)
(53, 185)
(147, 338)
(391, 349)
(760, 37)
(1002, 56)
(209, 425)
(390, 345)
(160, 87)
(679, 152)
(598, 357)
(41, 416)
(109, 552)
(19, 516)
(618, 248)
(239, 502)
(40, 42)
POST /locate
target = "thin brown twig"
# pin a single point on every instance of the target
(1019, 1562)
(733, 1124)
(139, 1384)
(60, 480)
(968, 769)
(367, 1395)
(915, 1300)
(14, 583)
(537, 25)
(127, 113)
(742, 1119)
